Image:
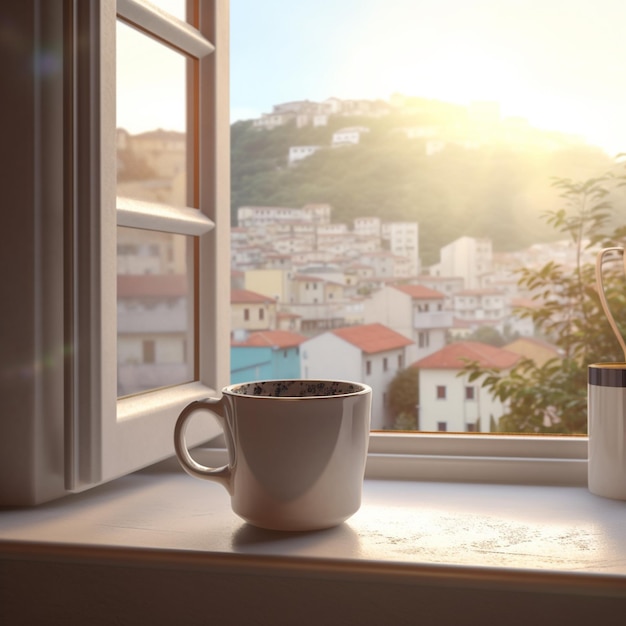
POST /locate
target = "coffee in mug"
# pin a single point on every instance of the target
(297, 450)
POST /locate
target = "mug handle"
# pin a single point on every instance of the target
(220, 475)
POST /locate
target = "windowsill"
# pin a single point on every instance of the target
(545, 540)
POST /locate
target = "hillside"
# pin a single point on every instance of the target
(497, 191)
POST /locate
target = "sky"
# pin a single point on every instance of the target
(556, 63)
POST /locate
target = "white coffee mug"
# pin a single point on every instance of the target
(607, 429)
(297, 450)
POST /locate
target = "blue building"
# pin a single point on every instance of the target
(266, 355)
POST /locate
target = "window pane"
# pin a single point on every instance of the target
(402, 187)
(151, 120)
(155, 326)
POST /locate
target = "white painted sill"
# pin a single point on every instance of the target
(546, 542)
(497, 459)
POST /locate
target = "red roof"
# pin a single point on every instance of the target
(243, 296)
(456, 355)
(152, 286)
(272, 338)
(421, 292)
(480, 292)
(372, 338)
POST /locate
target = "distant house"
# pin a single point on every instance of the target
(297, 153)
(534, 349)
(348, 136)
(251, 311)
(368, 353)
(450, 402)
(270, 354)
(416, 312)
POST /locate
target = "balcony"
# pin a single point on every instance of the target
(432, 320)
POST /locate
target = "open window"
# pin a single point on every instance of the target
(83, 415)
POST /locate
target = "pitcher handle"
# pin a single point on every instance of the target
(603, 301)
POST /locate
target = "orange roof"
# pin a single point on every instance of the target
(535, 349)
(480, 292)
(272, 338)
(243, 296)
(152, 286)
(456, 355)
(372, 338)
(419, 291)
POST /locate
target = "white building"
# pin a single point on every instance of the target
(404, 242)
(348, 136)
(450, 402)
(370, 226)
(269, 121)
(468, 257)
(447, 285)
(416, 312)
(297, 153)
(480, 305)
(370, 353)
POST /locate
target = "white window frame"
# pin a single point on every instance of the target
(72, 430)
(39, 402)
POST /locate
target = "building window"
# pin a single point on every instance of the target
(400, 362)
(385, 364)
(442, 427)
(261, 314)
(149, 351)
(441, 392)
(246, 315)
(368, 367)
(470, 428)
(470, 392)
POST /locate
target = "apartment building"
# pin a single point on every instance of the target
(368, 353)
(468, 257)
(404, 243)
(415, 311)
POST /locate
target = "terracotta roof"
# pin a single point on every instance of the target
(527, 303)
(243, 296)
(455, 356)
(286, 315)
(372, 338)
(152, 286)
(307, 278)
(421, 292)
(535, 349)
(272, 338)
(480, 292)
